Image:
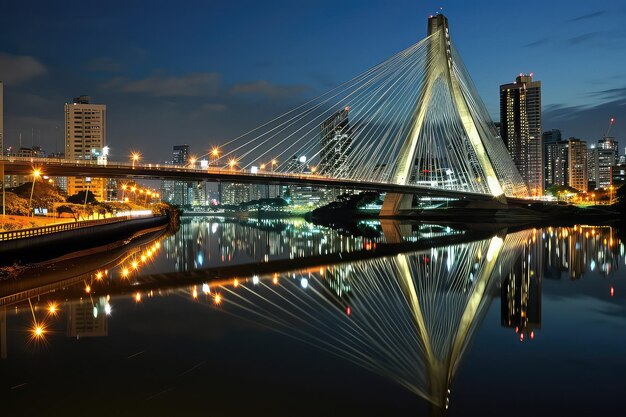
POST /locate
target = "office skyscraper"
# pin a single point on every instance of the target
(602, 160)
(556, 162)
(85, 140)
(520, 119)
(335, 141)
(577, 164)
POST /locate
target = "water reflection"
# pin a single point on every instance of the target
(402, 300)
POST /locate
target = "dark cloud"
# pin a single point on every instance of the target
(190, 85)
(586, 122)
(266, 89)
(103, 64)
(17, 69)
(538, 42)
(610, 94)
(584, 38)
(589, 16)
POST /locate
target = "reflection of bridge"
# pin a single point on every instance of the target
(404, 310)
(413, 124)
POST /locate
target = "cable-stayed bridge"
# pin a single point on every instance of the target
(413, 124)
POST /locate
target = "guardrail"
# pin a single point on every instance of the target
(44, 230)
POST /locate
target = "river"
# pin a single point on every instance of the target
(286, 318)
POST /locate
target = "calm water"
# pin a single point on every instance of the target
(286, 318)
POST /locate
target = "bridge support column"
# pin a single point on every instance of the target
(394, 203)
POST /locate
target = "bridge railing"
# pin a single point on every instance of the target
(44, 230)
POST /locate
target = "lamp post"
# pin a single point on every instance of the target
(134, 157)
(36, 174)
(124, 187)
(215, 153)
(274, 163)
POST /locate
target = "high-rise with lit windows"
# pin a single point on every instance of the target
(85, 141)
(520, 126)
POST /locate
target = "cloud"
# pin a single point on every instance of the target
(17, 69)
(264, 88)
(585, 37)
(103, 64)
(191, 85)
(538, 42)
(610, 94)
(588, 16)
(207, 109)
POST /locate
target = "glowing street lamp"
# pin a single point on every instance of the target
(36, 174)
(232, 163)
(192, 161)
(124, 187)
(135, 157)
(274, 163)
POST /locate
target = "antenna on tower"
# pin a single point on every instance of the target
(610, 126)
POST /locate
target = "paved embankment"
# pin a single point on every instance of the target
(43, 243)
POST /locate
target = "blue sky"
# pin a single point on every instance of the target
(203, 72)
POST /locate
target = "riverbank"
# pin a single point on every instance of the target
(39, 248)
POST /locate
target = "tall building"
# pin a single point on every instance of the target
(85, 140)
(556, 161)
(182, 193)
(234, 193)
(577, 164)
(520, 118)
(605, 156)
(335, 141)
(180, 154)
(549, 137)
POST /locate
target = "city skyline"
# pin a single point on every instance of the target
(233, 67)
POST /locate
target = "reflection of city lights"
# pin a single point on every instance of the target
(52, 308)
(38, 331)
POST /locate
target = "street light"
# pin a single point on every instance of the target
(274, 163)
(192, 161)
(232, 163)
(135, 157)
(124, 187)
(36, 174)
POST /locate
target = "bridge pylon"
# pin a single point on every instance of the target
(441, 71)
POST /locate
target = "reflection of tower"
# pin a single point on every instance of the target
(521, 293)
(410, 317)
(86, 319)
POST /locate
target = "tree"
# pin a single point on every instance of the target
(71, 209)
(45, 195)
(16, 205)
(79, 198)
